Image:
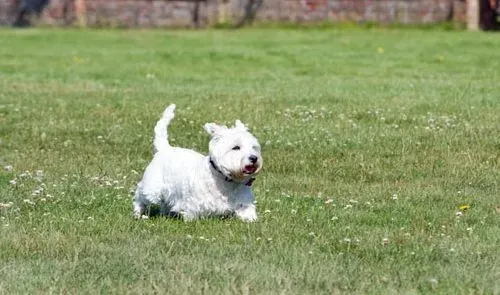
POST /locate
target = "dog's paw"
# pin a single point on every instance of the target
(138, 216)
(247, 213)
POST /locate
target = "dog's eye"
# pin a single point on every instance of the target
(236, 148)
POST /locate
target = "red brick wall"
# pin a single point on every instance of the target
(157, 13)
(385, 11)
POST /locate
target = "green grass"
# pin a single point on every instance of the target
(371, 140)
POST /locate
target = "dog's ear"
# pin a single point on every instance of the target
(239, 125)
(214, 129)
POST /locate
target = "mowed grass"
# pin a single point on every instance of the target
(372, 140)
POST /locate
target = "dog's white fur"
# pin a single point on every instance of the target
(186, 183)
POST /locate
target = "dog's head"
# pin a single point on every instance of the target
(234, 151)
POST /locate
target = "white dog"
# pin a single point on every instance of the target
(187, 184)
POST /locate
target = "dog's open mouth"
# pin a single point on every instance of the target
(250, 169)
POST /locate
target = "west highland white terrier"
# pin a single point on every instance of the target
(190, 185)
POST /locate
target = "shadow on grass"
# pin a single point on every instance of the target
(153, 211)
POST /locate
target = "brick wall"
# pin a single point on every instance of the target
(157, 13)
(383, 11)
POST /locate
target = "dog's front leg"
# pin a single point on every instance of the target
(246, 212)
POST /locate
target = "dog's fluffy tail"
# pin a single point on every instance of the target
(160, 142)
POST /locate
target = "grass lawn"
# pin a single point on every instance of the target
(372, 139)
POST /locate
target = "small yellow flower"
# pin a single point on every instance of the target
(464, 207)
(380, 50)
(440, 58)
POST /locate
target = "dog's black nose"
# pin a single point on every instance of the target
(253, 159)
